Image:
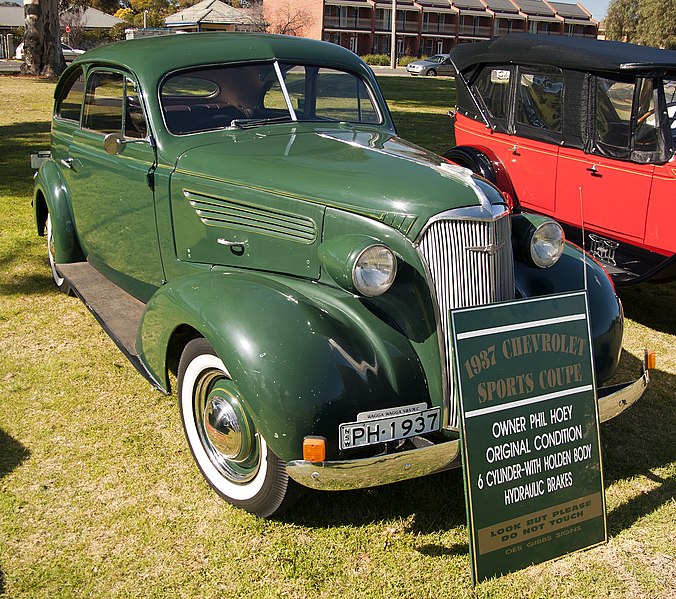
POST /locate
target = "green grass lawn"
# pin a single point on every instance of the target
(99, 496)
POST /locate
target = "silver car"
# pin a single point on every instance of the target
(69, 54)
(439, 64)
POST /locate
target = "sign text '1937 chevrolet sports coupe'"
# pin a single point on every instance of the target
(238, 209)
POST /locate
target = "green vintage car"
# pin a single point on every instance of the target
(238, 209)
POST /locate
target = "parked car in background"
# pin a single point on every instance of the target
(238, 209)
(70, 54)
(583, 131)
(439, 64)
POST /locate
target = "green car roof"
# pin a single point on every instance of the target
(156, 56)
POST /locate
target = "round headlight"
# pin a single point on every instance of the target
(374, 270)
(547, 243)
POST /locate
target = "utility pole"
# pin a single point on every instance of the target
(393, 40)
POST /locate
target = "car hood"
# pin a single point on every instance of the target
(361, 171)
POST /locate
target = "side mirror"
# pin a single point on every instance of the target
(114, 143)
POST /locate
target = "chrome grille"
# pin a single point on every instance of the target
(470, 263)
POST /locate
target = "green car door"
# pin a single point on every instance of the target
(113, 201)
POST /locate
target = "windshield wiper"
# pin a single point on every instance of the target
(244, 123)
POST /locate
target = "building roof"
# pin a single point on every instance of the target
(534, 7)
(11, 16)
(570, 11)
(469, 4)
(95, 19)
(501, 6)
(92, 18)
(214, 12)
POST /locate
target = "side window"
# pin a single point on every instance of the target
(670, 98)
(70, 105)
(113, 105)
(134, 119)
(613, 116)
(493, 87)
(343, 97)
(104, 102)
(646, 129)
(539, 102)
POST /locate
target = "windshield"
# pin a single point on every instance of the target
(240, 96)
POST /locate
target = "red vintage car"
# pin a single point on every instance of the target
(581, 130)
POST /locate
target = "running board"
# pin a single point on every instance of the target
(117, 312)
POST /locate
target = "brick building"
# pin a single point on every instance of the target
(432, 26)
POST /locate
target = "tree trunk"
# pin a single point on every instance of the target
(42, 43)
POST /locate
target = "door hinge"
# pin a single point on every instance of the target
(150, 177)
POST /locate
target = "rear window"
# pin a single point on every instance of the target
(190, 87)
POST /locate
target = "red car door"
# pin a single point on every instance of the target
(660, 233)
(611, 194)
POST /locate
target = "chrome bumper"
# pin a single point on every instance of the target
(391, 468)
(379, 470)
(615, 399)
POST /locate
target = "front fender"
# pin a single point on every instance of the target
(605, 310)
(50, 196)
(305, 357)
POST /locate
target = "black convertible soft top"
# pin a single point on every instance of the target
(583, 54)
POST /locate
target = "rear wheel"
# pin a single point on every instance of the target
(234, 458)
(60, 281)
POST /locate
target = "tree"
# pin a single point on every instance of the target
(621, 20)
(657, 23)
(150, 13)
(107, 6)
(648, 22)
(289, 21)
(255, 18)
(73, 19)
(42, 43)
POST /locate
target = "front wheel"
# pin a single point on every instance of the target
(60, 281)
(234, 458)
(432, 73)
(475, 161)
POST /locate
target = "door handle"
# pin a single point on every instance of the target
(237, 247)
(594, 171)
(67, 162)
(514, 149)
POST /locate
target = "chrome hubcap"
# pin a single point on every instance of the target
(224, 429)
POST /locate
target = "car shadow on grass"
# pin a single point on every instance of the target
(12, 454)
(19, 141)
(639, 442)
(25, 284)
(651, 304)
(430, 504)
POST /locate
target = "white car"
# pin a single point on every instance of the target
(70, 54)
